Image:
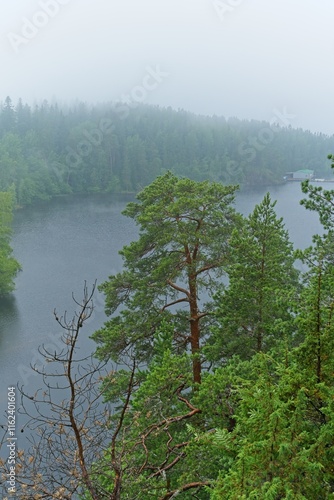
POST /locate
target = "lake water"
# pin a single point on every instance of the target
(67, 241)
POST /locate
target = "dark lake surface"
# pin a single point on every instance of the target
(62, 243)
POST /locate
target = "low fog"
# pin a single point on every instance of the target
(249, 59)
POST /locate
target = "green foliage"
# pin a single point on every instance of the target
(284, 413)
(320, 200)
(259, 425)
(280, 436)
(154, 434)
(316, 306)
(9, 266)
(254, 311)
(181, 251)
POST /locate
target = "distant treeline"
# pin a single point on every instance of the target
(47, 150)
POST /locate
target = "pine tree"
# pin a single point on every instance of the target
(182, 250)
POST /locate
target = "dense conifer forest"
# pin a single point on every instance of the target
(48, 150)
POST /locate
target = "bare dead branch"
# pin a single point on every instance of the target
(183, 488)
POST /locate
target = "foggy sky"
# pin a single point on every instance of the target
(245, 58)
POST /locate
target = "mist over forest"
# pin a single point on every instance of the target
(47, 150)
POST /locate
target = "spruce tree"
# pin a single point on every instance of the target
(254, 310)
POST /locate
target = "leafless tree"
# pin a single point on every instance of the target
(68, 425)
(77, 445)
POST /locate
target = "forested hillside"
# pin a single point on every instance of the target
(46, 150)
